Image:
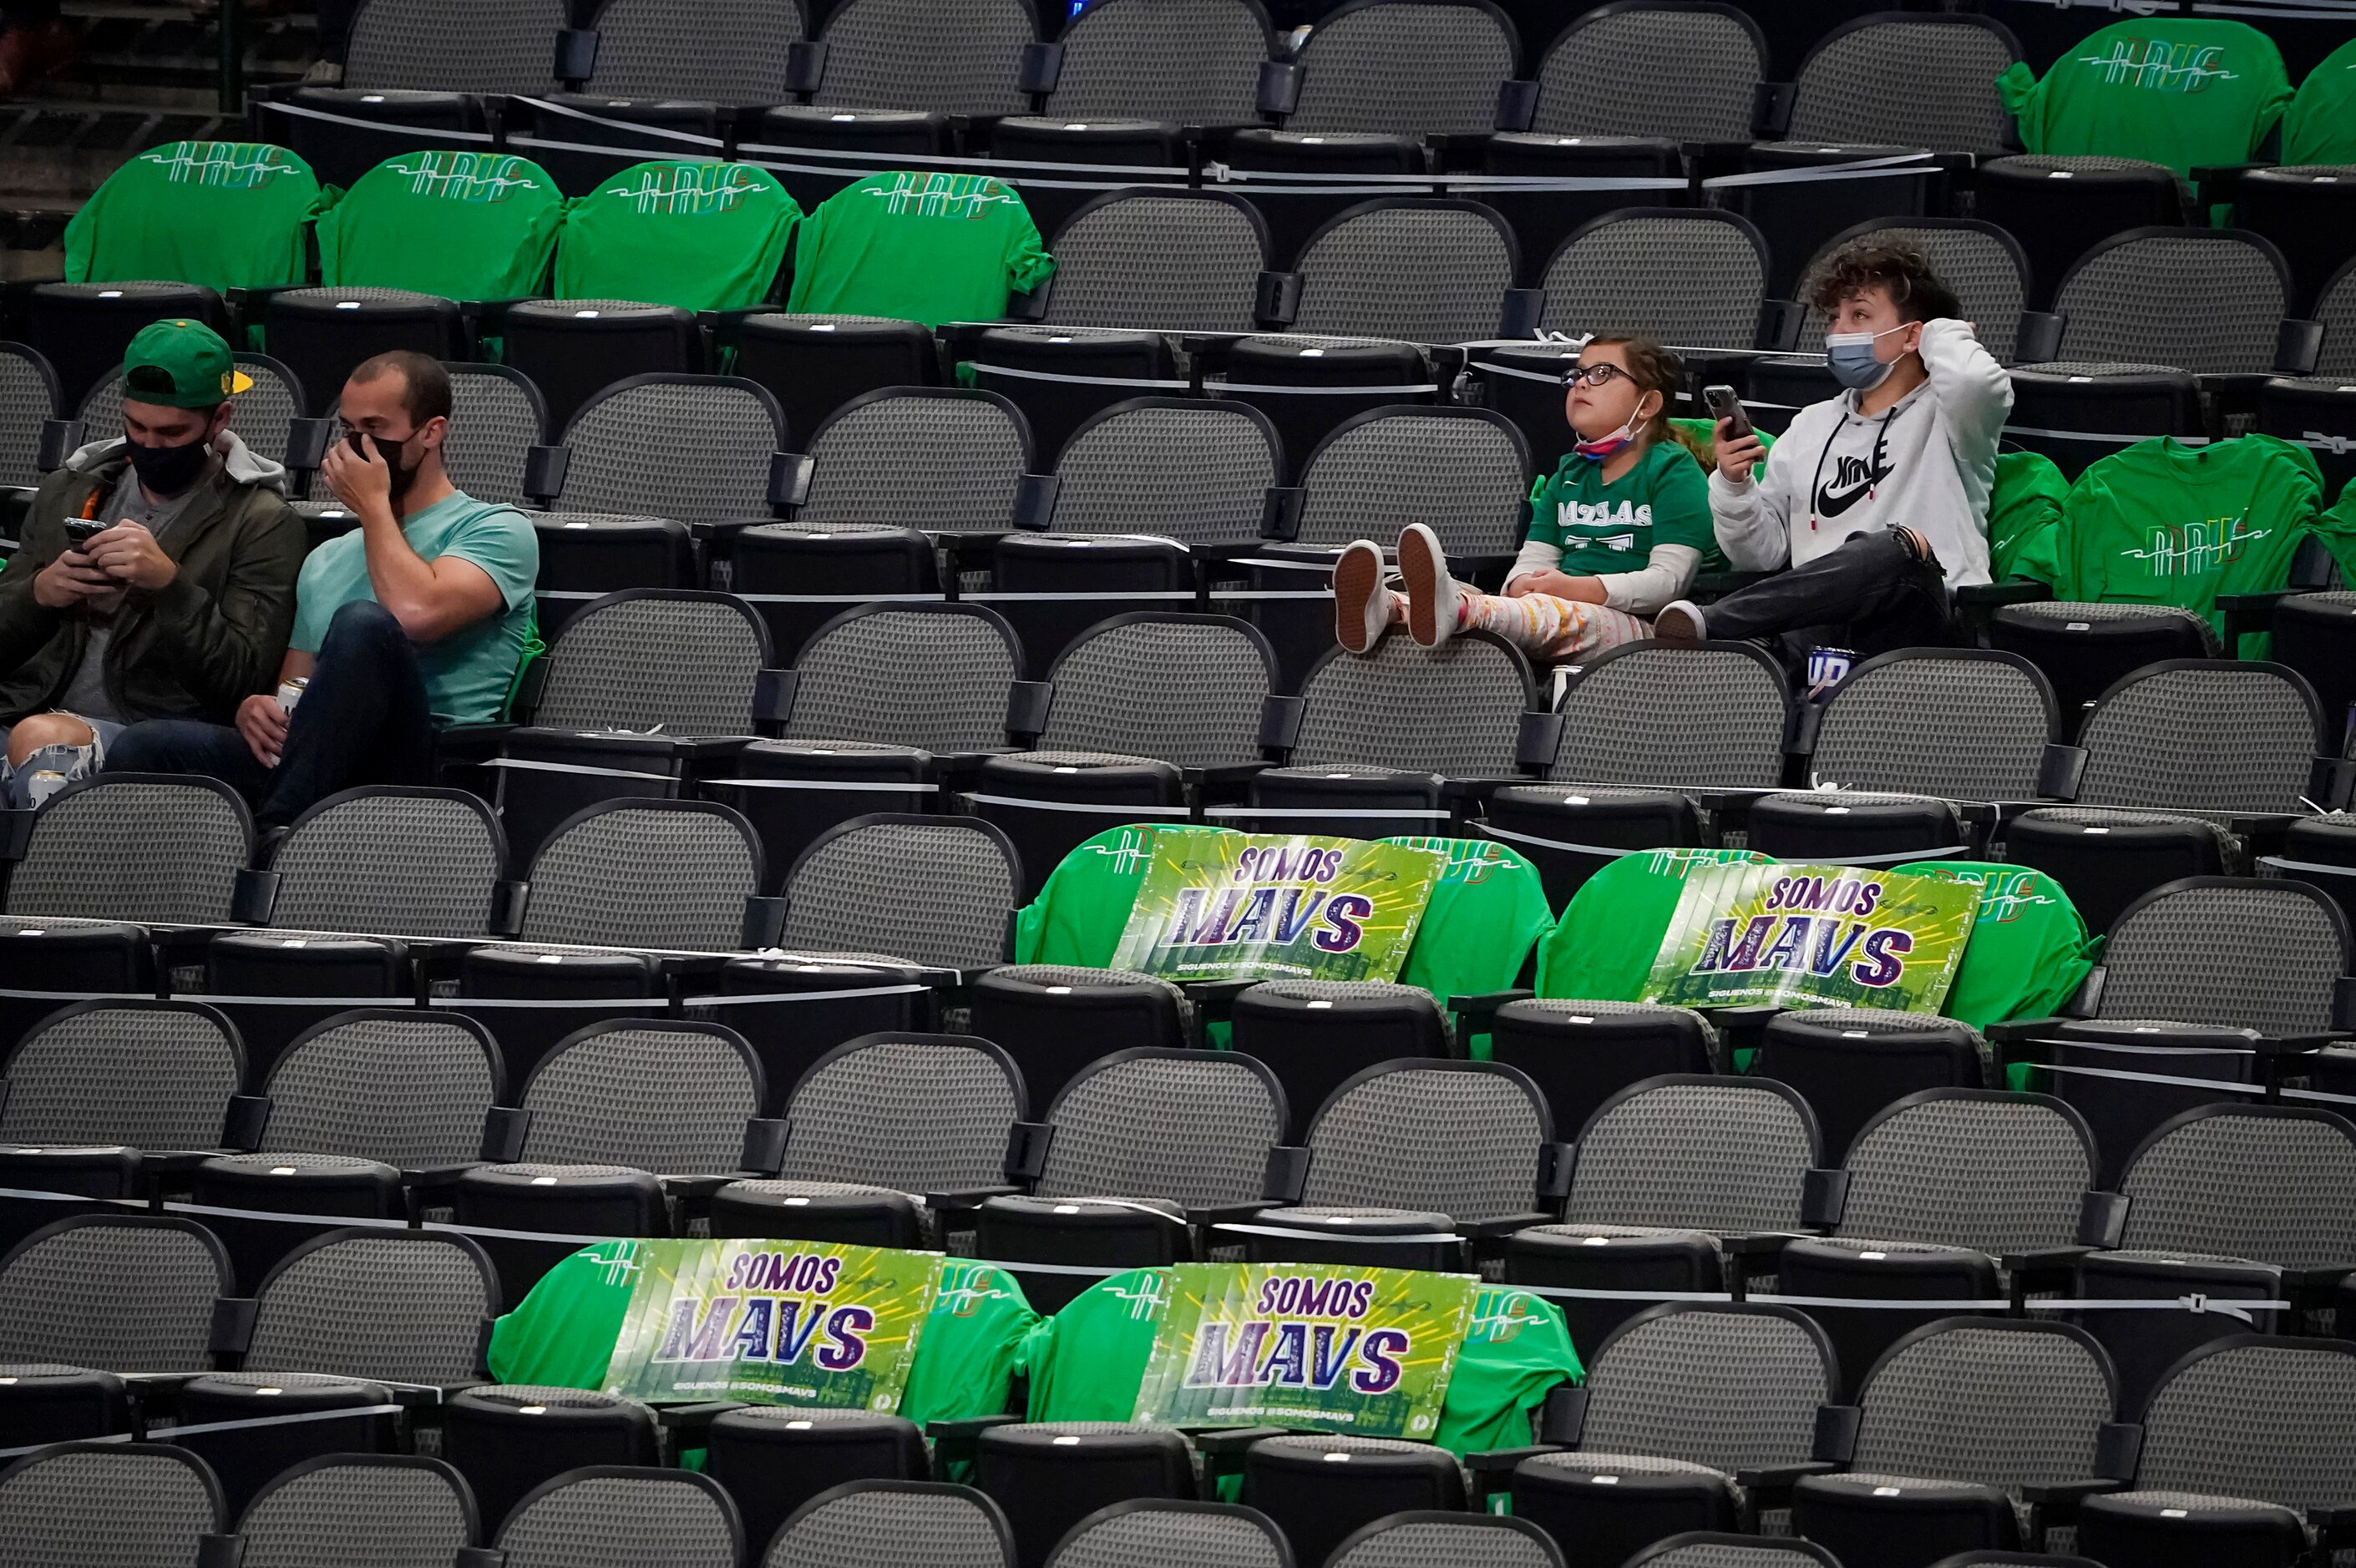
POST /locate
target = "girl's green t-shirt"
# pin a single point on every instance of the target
(1602, 528)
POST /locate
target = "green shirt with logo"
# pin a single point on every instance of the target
(2321, 125)
(2028, 950)
(224, 214)
(919, 247)
(466, 226)
(698, 236)
(2177, 91)
(1602, 528)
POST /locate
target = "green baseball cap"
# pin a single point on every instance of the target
(180, 365)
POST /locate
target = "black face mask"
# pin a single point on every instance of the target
(168, 470)
(401, 477)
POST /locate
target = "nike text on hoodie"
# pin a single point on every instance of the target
(1927, 462)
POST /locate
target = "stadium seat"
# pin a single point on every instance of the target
(707, 444)
(2060, 208)
(1328, 174)
(814, 364)
(1317, 1035)
(2089, 1055)
(1144, 1144)
(773, 1458)
(388, 1097)
(1679, 1401)
(48, 1402)
(1800, 217)
(2084, 648)
(2241, 1446)
(1926, 80)
(1061, 375)
(411, 1510)
(604, 1516)
(628, 238)
(2306, 211)
(1640, 725)
(584, 556)
(1851, 1063)
(130, 1292)
(510, 1440)
(964, 59)
(1048, 1476)
(2320, 850)
(2337, 310)
(97, 1082)
(845, 1525)
(496, 417)
(2076, 413)
(82, 329)
(1418, 268)
(1310, 384)
(2210, 300)
(1952, 1423)
(1113, 749)
(340, 1311)
(608, 1124)
(161, 213)
(1378, 736)
(2319, 413)
(28, 401)
(1420, 1535)
(797, 578)
(887, 701)
(1183, 469)
(344, 891)
(1420, 1147)
(646, 690)
(572, 348)
(1696, 278)
(938, 889)
(1319, 1489)
(1210, 1535)
(1172, 260)
(1683, 71)
(1720, 1549)
(1397, 65)
(1944, 1195)
(890, 1138)
(732, 53)
(1672, 1174)
(2227, 1202)
(1580, 1053)
(109, 1505)
(323, 334)
(1057, 1019)
(977, 447)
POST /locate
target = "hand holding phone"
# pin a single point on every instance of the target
(1727, 409)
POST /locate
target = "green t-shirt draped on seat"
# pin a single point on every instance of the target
(1603, 947)
(2321, 125)
(698, 236)
(2028, 950)
(1086, 1362)
(468, 673)
(2177, 90)
(466, 226)
(918, 247)
(227, 215)
(561, 1334)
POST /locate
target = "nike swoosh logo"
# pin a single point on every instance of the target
(1831, 503)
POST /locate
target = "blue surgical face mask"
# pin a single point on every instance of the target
(1850, 357)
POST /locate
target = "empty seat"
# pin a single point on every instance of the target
(874, 1126)
(1667, 1170)
(116, 1292)
(510, 1440)
(1316, 1035)
(774, 1459)
(98, 1081)
(2085, 649)
(964, 58)
(1414, 1146)
(1580, 1053)
(82, 329)
(28, 398)
(1689, 73)
(1692, 277)
(1424, 271)
(1953, 1421)
(572, 348)
(1431, 1535)
(936, 891)
(1208, 1535)
(613, 1517)
(108, 1505)
(1195, 62)
(1938, 1191)
(1049, 1476)
(1850, 1062)
(414, 1512)
(2060, 208)
(2205, 300)
(1310, 384)
(732, 53)
(1848, 87)
(1057, 1019)
(703, 444)
(978, 447)
(1173, 260)
(1320, 1488)
(814, 364)
(1679, 1400)
(848, 1525)
(1403, 66)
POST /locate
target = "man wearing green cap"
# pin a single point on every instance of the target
(157, 576)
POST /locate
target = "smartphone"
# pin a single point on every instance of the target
(80, 532)
(1724, 405)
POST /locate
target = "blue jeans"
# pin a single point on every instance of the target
(363, 721)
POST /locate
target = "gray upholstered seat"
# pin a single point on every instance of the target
(454, 45)
(952, 56)
(1404, 68)
(702, 442)
(412, 862)
(128, 1293)
(411, 1512)
(375, 1304)
(937, 890)
(1689, 75)
(894, 675)
(622, 1517)
(2207, 300)
(1174, 260)
(1451, 1137)
(107, 1505)
(855, 1525)
(1195, 472)
(1696, 278)
(646, 874)
(1921, 80)
(976, 449)
(725, 51)
(137, 848)
(1418, 271)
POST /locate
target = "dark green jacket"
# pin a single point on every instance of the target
(212, 638)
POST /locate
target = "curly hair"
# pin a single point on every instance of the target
(1898, 267)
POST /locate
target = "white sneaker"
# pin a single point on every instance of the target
(1432, 596)
(1361, 605)
(1680, 624)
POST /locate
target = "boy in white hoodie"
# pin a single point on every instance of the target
(1877, 500)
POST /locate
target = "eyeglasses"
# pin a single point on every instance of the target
(1594, 376)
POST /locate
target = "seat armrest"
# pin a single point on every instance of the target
(1035, 496)
(16, 832)
(1835, 1441)
(1780, 324)
(969, 1198)
(1042, 66)
(252, 896)
(59, 439)
(481, 1556)
(1026, 1149)
(1287, 1174)
(1520, 313)
(1770, 109)
(1028, 706)
(1276, 300)
(2060, 769)
(1517, 105)
(1493, 1469)
(1483, 1005)
(220, 1551)
(2046, 1260)
(505, 1127)
(2038, 339)
(1756, 1244)
(1031, 306)
(2101, 1220)
(2334, 1527)
(544, 468)
(790, 473)
(805, 66)
(2314, 1285)
(308, 440)
(1225, 1213)
(1233, 1440)
(691, 1423)
(507, 897)
(435, 1177)
(245, 1122)
(231, 1331)
(2298, 346)
(2012, 1031)
(1279, 93)
(1781, 1477)
(576, 54)
(1279, 515)
(1500, 1225)
(696, 1189)
(764, 921)
(1538, 741)
(1824, 1196)
(2065, 1495)
(2009, 591)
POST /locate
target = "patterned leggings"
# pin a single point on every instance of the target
(1545, 627)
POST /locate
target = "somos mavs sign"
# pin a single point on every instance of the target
(1216, 906)
(1814, 935)
(773, 1323)
(1329, 1347)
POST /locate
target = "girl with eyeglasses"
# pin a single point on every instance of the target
(1616, 532)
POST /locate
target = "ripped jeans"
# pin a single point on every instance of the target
(50, 768)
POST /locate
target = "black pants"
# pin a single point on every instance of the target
(362, 720)
(1870, 595)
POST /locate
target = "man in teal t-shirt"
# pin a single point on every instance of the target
(421, 614)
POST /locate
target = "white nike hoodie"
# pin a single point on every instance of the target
(1927, 461)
